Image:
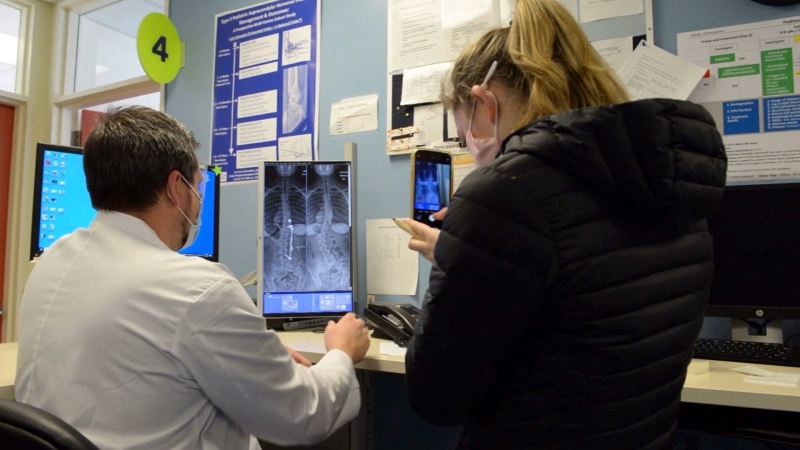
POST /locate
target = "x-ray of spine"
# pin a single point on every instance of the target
(306, 228)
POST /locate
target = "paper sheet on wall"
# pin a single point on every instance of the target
(593, 10)
(615, 51)
(464, 21)
(392, 269)
(452, 131)
(430, 120)
(752, 91)
(463, 165)
(423, 84)
(416, 33)
(354, 114)
(651, 72)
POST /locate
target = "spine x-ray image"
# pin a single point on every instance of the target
(306, 227)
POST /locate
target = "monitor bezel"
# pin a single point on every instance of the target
(753, 311)
(260, 244)
(36, 222)
(215, 256)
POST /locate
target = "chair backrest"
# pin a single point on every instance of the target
(26, 427)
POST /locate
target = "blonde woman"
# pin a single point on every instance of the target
(573, 267)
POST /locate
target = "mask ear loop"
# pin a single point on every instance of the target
(485, 84)
(485, 87)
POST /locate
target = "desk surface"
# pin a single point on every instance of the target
(718, 386)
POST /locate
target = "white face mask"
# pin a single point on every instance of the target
(193, 227)
(484, 150)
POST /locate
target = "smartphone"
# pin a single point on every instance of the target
(431, 184)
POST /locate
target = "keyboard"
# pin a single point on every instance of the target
(748, 352)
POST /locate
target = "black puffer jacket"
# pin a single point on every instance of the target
(573, 273)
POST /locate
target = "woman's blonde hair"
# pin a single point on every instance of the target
(544, 59)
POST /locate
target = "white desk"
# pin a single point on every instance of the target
(719, 386)
(8, 369)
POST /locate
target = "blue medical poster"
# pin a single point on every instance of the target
(265, 86)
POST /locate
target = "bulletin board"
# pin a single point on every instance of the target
(425, 35)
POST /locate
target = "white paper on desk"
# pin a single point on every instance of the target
(423, 84)
(777, 380)
(464, 21)
(392, 349)
(615, 51)
(757, 375)
(753, 370)
(352, 115)
(430, 120)
(593, 10)
(651, 72)
(416, 38)
(392, 269)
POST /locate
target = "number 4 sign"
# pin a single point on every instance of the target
(159, 47)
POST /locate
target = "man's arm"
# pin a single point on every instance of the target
(246, 371)
(495, 259)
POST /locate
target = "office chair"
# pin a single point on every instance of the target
(26, 427)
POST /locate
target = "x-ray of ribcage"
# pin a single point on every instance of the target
(306, 228)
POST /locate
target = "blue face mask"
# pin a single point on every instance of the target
(193, 227)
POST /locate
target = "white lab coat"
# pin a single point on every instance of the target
(140, 347)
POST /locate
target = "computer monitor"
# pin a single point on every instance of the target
(206, 245)
(61, 202)
(305, 251)
(756, 251)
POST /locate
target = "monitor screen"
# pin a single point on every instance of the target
(206, 245)
(756, 249)
(305, 252)
(61, 202)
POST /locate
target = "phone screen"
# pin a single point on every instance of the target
(432, 185)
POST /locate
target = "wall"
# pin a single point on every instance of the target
(353, 62)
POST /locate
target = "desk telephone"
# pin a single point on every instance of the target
(395, 322)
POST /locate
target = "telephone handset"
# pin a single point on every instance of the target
(395, 322)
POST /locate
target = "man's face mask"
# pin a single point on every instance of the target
(193, 227)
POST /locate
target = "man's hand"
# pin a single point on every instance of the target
(425, 240)
(349, 335)
(297, 357)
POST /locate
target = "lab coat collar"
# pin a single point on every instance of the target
(131, 225)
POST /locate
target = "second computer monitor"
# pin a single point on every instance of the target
(305, 252)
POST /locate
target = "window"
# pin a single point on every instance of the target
(106, 50)
(10, 18)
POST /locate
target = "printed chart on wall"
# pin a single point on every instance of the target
(265, 86)
(753, 91)
(426, 36)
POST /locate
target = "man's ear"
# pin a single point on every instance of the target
(485, 99)
(173, 179)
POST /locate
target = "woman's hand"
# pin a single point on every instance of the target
(424, 238)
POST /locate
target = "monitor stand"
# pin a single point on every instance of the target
(757, 330)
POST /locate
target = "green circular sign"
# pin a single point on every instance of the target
(159, 47)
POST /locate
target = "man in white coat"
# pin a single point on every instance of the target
(140, 347)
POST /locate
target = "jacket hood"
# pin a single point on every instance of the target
(659, 161)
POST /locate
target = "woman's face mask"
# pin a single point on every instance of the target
(484, 150)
